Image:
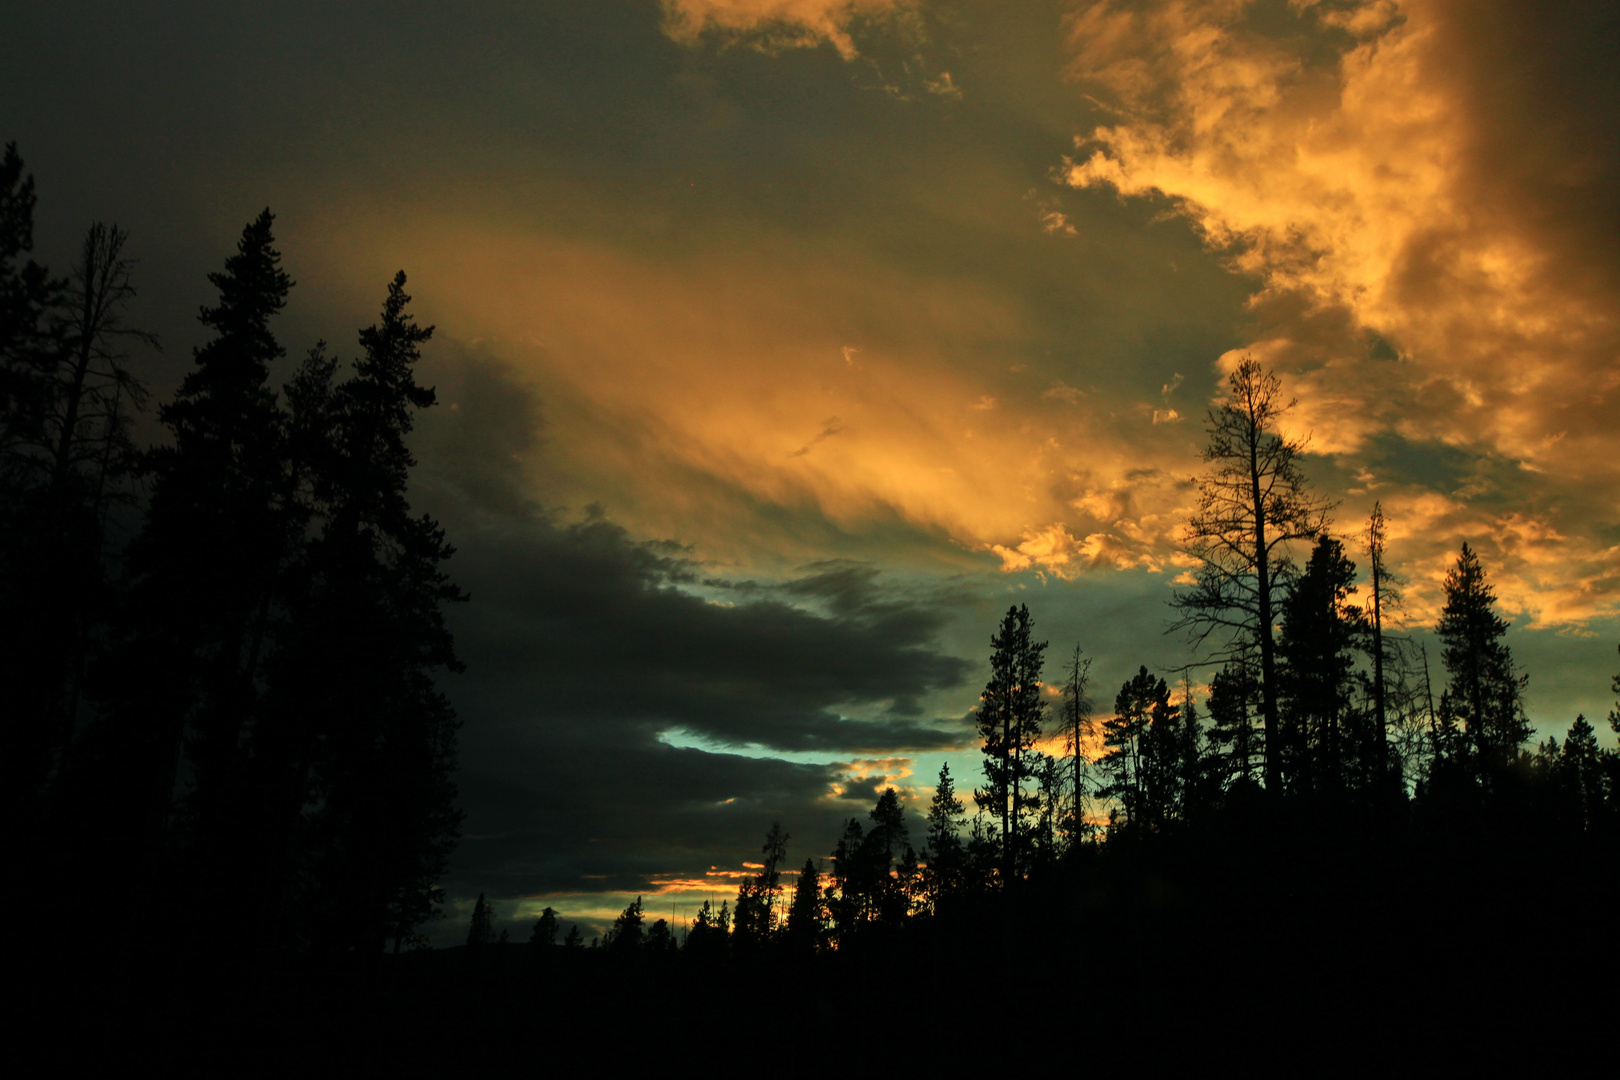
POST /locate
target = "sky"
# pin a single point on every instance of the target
(783, 344)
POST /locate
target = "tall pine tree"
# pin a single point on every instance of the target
(1011, 711)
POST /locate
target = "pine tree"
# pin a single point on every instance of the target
(1484, 693)
(627, 934)
(1582, 764)
(355, 688)
(806, 919)
(1385, 597)
(201, 578)
(545, 930)
(482, 930)
(943, 850)
(1143, 764)
(1233, 695)
(1011, 711)
(1320, 635)
(66, 466)
(1253, 504)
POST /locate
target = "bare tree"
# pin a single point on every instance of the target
(1253, 504)
(1079, 732)
(92, 380)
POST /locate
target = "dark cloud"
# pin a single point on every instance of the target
(585, 645)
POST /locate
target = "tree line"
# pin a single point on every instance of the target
(1316, 717)
(219, 651)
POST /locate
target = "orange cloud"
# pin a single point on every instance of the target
(1414, 231)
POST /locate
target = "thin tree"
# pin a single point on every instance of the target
(943, 851)
(1011, 710)
(1079, 733)
(1253, 505)
(1384, 595)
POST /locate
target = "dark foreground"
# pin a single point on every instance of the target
(1326, 956)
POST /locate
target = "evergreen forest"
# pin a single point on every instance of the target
(226, 742)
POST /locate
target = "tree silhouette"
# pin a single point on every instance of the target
(1320, 635)
(1011, 711)
(806, 918)
(482, 930)
(183, 678)
(1253, 504)
(627, 934)
(1079, 731)
(356, 682)
(1385, 596)
(1144, 761)
(545, 929)
(943, 848)
(1484, 694)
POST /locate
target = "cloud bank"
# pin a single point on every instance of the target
(1418, 191)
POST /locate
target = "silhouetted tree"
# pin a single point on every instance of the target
(1079, 732)
(1011, 711)
(1581, 766)
(1484, 694)
(1321, 633)
(201, 577)
(27, 294)
(366, 723)
(1385, 596)
(1233, 696)
(545, 929)
(1253, 504)
(627, 934)
(943, 848)
(482, 930)
(754, 921)
(65, 465)
(806, 919)
(1143, 763)
(709, 935)
(659, 938)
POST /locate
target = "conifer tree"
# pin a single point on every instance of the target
(1320, 635)
(1232, 697)
(201, 578)
(1485, 694)
(627, 934)
(806, 919)
(482, 930)
(368, 726)
(1143, 762)
(1011, 711)
(1253, 504)
(943, 849)
(1385, 597)
(545, 930)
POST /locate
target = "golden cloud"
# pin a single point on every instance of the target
(1417, 211)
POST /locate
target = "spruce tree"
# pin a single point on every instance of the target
(943, 850)
(545, 930)
(1484, 694)
(1011, 712)
(806, 919)
(367, 635)
(200, 581)
(1317, 649)
(482, 930)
